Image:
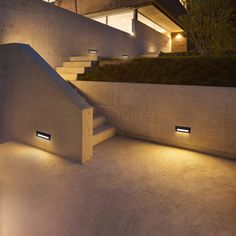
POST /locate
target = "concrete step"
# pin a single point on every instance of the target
(103, 133)
(150, 55)
(77, 64)
(69, 76)
(84, 58)
(98, 121)
(68, 70)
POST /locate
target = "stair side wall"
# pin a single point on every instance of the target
(37, 99)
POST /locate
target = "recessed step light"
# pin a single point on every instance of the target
(43, 135)
(183, 129)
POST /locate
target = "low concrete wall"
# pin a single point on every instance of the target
(151, 112)
(56, 33)
(34, 98)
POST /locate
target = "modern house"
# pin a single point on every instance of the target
(161, 16)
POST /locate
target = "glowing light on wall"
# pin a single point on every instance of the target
(179, 37)
(93, 51)
(183, 129)
(132, 34)
(43, 135)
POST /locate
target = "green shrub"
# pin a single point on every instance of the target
(209, 71)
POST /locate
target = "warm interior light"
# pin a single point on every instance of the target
(93, 51)
(183, 129)
(43, 135)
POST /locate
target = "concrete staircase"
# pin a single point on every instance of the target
(101, 130)
(70, 71)
(76, 66)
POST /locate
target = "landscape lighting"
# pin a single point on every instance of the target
(43, 135)
(183, 129)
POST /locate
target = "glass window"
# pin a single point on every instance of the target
(184, 3)
(122, 21)
(101, 19)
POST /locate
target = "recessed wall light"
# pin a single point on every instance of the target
(93, 51)
(183, 129)
(179, 36)
(125, 57)
(43, 135)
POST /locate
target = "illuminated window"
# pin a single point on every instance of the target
(49, 1)
(101, 19)
(184, 3)
(121, 21)
(152, 24)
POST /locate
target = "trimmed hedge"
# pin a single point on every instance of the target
(206, 71)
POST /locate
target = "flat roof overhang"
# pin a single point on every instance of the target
(161, 18)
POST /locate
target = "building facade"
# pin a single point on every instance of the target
(158, 15)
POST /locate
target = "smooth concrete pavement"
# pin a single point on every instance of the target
(129, 188)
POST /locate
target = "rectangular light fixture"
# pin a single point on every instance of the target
(93, 51)
(43, 135)
(125, 57)
(183, 129)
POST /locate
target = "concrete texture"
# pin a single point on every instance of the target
(35, 98)
(151, 112)
(131, 188)
(56, 33)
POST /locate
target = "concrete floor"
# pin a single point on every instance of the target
(129, 188)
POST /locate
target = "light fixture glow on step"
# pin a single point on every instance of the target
(183, 129)
(93, 51)
(43, 135)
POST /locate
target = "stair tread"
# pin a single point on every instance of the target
(83, 58)
(69, 73)
(77, 64)
(70, 67)
(60, 73)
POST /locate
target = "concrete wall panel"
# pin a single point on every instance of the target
(151, 112)
(36, 99)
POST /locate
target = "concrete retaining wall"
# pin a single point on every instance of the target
(34, 98)
(151, 112)
(56, 33)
